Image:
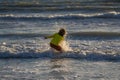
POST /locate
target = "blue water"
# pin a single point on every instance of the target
(93, 35)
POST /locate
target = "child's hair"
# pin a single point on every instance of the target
(62, 32)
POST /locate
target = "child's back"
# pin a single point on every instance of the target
(56, 39)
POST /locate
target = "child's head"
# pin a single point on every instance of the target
(62, 32)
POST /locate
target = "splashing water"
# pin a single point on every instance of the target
(65, 46)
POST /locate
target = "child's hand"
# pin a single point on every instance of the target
(45, 37)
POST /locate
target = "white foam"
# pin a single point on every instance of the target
(65, 46)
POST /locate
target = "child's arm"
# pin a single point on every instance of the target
(49, 36)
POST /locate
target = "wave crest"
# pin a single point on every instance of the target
(75, 55)
(92, 34)
(60, 16)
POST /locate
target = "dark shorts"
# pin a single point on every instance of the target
(56, 47)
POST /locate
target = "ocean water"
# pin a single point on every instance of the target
(93, 37)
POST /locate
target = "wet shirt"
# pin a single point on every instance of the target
(56, 39)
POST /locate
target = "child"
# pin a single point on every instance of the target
(56, 39)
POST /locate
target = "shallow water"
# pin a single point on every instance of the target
(58, 69)
(93, 35)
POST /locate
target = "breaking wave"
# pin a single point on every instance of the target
(73, 54)
(70, 34)
(59, 16)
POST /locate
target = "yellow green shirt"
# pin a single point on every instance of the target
(56, 39)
